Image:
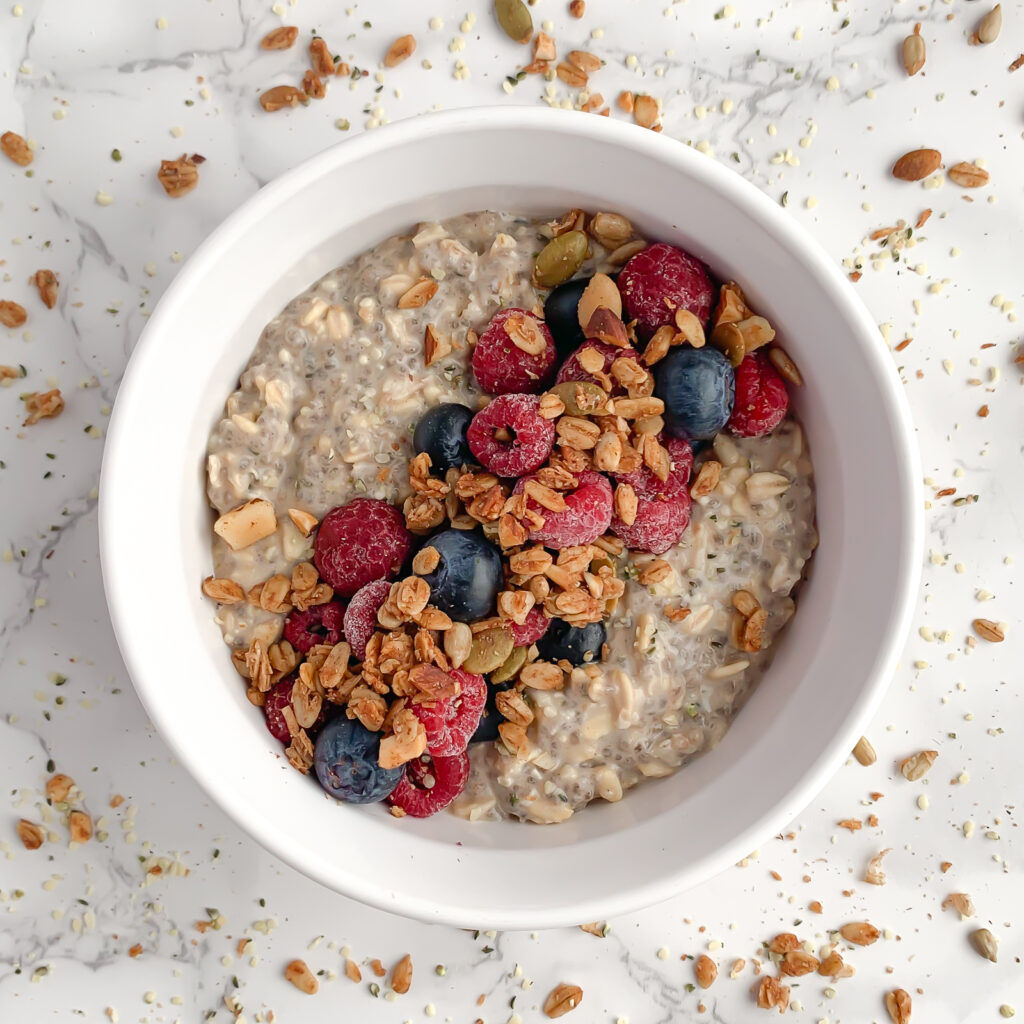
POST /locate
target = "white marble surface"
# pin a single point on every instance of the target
(80, 79)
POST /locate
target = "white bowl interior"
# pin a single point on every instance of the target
(828, 672)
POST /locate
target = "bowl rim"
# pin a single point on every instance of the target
(754, 205)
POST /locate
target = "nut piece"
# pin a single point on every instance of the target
(917, 765)
(865, 752)
(406, 743)
(961, 903)
(745, 603)
(223, 591)
(706, 971)
(40, 406)
(860, 933)
(419, 294)
(12, 314)
(562, 999)
(577, 8)
(782, 362)
(797, 963)
(601, 293)
(989, 26)
(897, 1002)
(282, 96)
(707, 479)
(46, 284)
(320, 58)
(30, 834)
(917, 164)
(524, 332)
(914, 51)
(280, 38)
(304, 521)
(542, 675)
(80, 827)
(985, 944)
(401, 973)
(58, 788)
(299, 974)
(401, 49)
(15, 148)
(968, 175)
(246, 524)
(645, 110)
(989, 630)
(772, 996)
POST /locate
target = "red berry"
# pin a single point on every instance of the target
(501, 366)
(535, 626)
(361, 615)
(531, 437)
(659, 280)
(359, 542)
(320, 624)
(279, 697)
(430, 784)
(588, 513)
(450, 722)
(761, 397)
(647, 485)
(658, 525)
(572, 370)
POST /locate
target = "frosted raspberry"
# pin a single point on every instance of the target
(279, 697)
(449, 723)
(360, 542)
(501, 366)
(661, 279)
(761, 397)
(430, 784)
(572, 370)
(647, 485)
(659, 524)
(531, 436)
(587, 516)
(361, 615)
(535, 626)
(321, 624)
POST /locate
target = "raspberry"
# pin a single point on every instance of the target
(658, 525)
(501, 367)
(531, 441)
(661, 279)
(535, 626)
(450, 722)
(361, 615)
(321, 624)
(572, 370)
(761, 397)
(359, 542)
(430, 784)
(647, 485)
(278, 698)
(587, 516)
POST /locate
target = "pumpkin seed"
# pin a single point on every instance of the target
(560, 259)
(729, 339)
(514, 19)
(490, 649)
(510, 667)
(593, 395)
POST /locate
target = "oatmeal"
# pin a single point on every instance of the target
(500, 532)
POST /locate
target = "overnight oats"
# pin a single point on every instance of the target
(510, 515)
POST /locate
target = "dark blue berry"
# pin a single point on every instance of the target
(441, 433)
(698, 387)
(561, 316)
(491, 718)
(578, 645)
(466, 582)
(345, 759)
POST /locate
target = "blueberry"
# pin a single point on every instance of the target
(697, 386)
(466, 582)
(487, 730)
(576, 644)
(561, 317)
(345, 759)
(441, 433)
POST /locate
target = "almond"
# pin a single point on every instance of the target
(968, 175)
(12, 314)
(897, 1002)
(706, 970)
(401, 49)
(46, 284)
(917, 164)
(645, 110)
(246, 524)
(299, 974)
(860, 933)
(280, 38)
(989, 630)
(15, 148)
(401, 975)
(419, 294)
(562, 999)
(601, 293)
(281, 96)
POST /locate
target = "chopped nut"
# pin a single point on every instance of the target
(542, 675)
(897, 1002)
(918, 765)
(786, 367)
(745, 603)
(864, 751)
(320, 57)
(706, 970)
(302, 977)
(30, 834)
(753, 631)
(435, 345)
(42, 406)
(178, 176)
(280, 38)
(246, 524)
(707, 479)
(46, 284)
(551, 406)
(58, 788)
(12, 314)
(772, 996)
(562, 999)
(282, 96)
(401, 975)
(605, 326)
(419, 294)
(985, 944)
(645, 110)
(313, 85)
(577, 432)
(784, 943)
(989, 630)
(655, 572)
(426, 560)
(860, 933)
(458, 642)
(797, 963)
(601, 293)
(304, 521)
(626, 503)
(80, 827)
(223, 591)
(15, 148)
(874, 875)
(401, 49)
(961, 903)
(352, 971)
(968, 175)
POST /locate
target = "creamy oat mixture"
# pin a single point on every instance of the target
(324, 413)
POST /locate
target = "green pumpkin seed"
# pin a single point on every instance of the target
(515, 20)
(489, 651)
(509, 669)
(567, 392)
(560, 259)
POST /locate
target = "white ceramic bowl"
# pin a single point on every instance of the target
(829, 673)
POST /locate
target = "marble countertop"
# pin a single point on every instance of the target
(810, 102)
